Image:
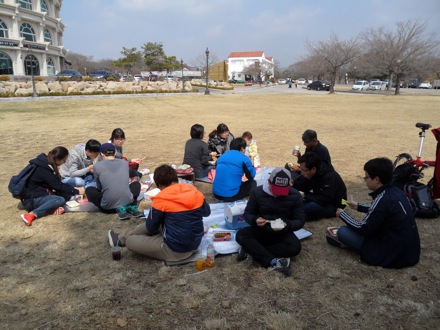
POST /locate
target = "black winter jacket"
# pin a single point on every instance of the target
(326, 187)
(289, 208)
(44, 182)
(390, 230)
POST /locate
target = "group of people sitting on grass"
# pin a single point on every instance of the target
(59, 176)
(310, 189)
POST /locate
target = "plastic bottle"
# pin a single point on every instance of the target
(201, 258)
(210, 255)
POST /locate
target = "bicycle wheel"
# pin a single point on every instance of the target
(401, 159)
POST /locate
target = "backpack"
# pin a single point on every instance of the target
(420, 197)
(404, 174)
(17, 184)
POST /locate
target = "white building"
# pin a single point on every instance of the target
(238, 62)
(31, 34)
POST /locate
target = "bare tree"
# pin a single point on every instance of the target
(199, 61)
(333, 54)
(399, 52)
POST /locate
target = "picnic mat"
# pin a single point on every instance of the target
(216, 223)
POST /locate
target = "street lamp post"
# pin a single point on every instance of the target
(34, 90)
(183, 81)
(207, 71)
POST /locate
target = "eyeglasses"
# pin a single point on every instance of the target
(366, 177)
(304, 170)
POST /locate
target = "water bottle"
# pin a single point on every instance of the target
(210, 255)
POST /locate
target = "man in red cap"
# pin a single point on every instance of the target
(274, 211)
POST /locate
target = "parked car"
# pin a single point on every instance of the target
(426, 85)
(319, 85)
(103, 74)
(360, 85)
(69, 74)
(248, 83)
(377, 86)
(413, 83)
(282, 81)
(137, 77)
(301, 81)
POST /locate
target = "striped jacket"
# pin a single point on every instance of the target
(389, 227)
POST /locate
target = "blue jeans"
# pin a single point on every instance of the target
(80, 181)
(314, 211)
(350, 238)
(42, 206)
(205, 171)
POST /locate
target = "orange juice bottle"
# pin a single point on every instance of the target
(201, 262)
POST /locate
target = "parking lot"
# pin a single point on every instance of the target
(339, 88)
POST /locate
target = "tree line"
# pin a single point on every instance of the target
(407, 51)
(151, 57)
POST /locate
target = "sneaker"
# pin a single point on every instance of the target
(332, 237)
(241, 255)
(133, 211)
(113, 239)
(28, 218)
(282, 265)
(122, 213)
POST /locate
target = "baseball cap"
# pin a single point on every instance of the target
(280, 181)
(108, 149)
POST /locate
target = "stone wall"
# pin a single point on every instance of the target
(89, 87)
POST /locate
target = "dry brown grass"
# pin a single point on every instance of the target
(59, 272)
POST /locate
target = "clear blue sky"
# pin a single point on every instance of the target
(100, 28)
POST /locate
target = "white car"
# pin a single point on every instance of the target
(425, 84)
(301, 81)
(137, 77)
(377, 86)
(282, 81)
(360, 85)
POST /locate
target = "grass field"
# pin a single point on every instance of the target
(59, 274)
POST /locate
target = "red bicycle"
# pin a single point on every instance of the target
(418, 165)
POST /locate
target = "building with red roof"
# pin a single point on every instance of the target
(253, 65)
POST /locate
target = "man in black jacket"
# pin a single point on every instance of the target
(271, 243)
(387, 236)
(322, 186)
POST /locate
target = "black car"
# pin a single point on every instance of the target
(69, 74)
(319, 85)
(103, 74)
(413, 83)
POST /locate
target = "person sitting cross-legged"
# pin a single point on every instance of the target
(174, 227)
(113, 192)
(387, 236)
(270, 247)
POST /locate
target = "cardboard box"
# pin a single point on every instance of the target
(234, 218)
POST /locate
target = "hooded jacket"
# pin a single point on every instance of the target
(389, 227)
(44, 182)
(325, 187)
(179, 210)
(77, 163)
